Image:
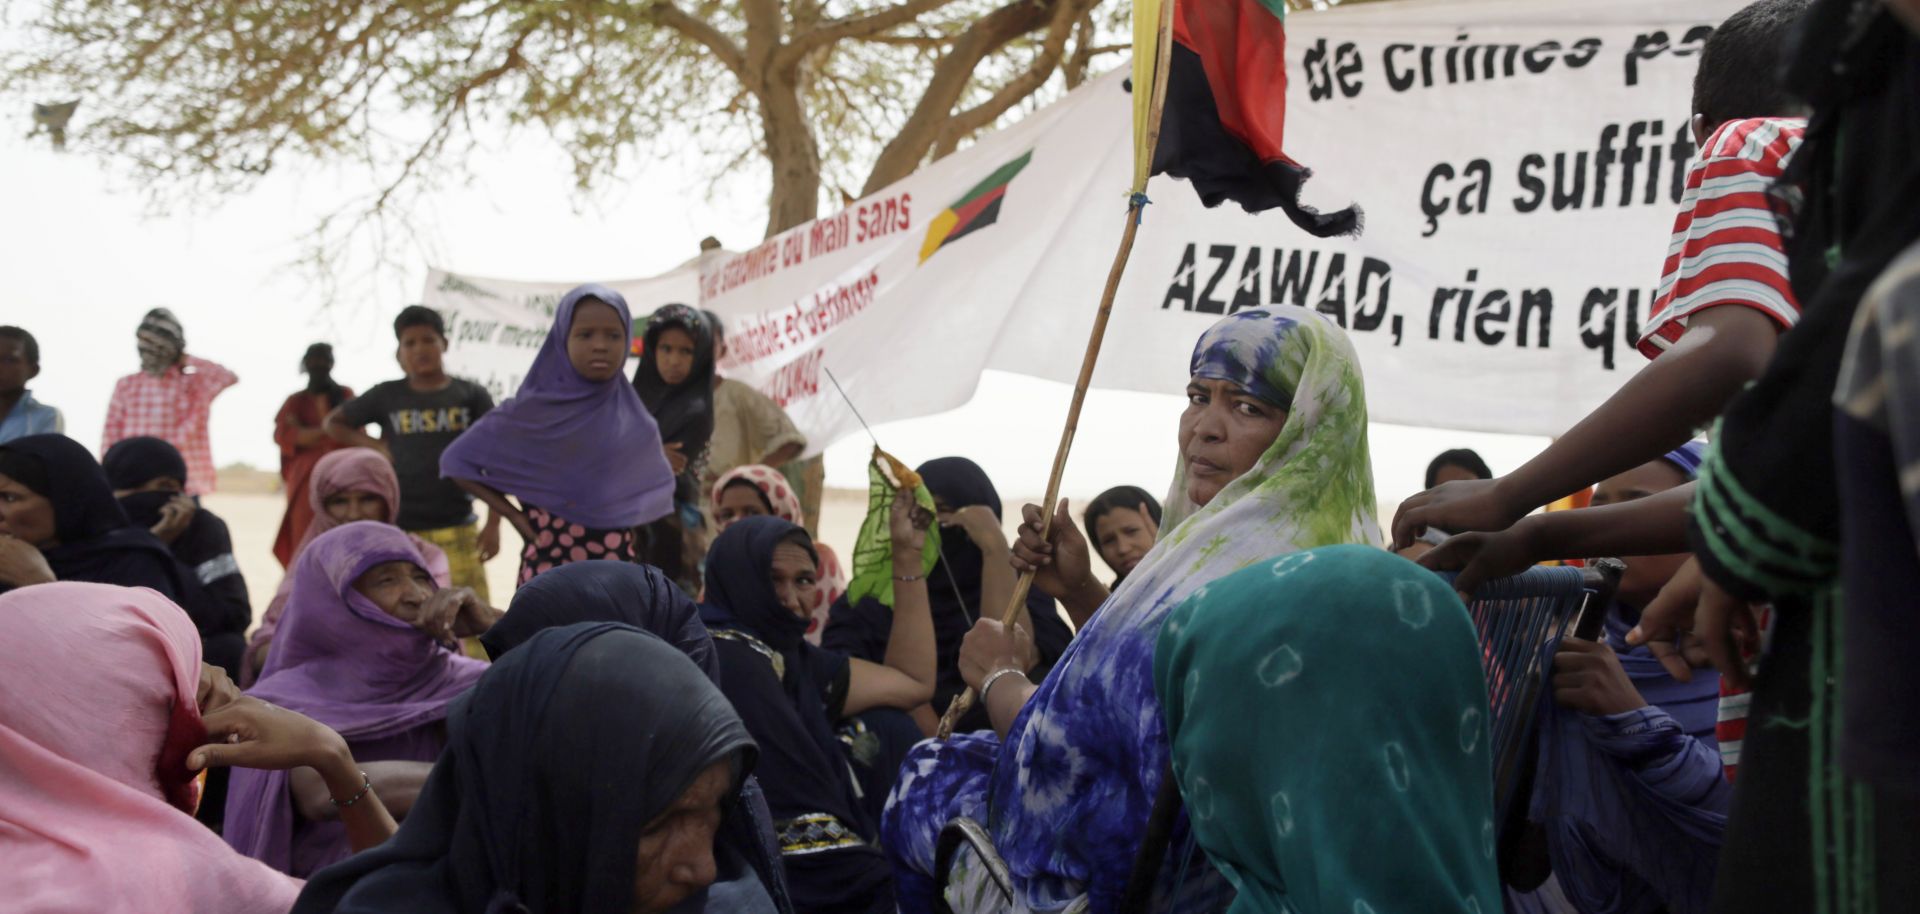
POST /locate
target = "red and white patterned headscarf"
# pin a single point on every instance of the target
(784, 503)
(781, 500)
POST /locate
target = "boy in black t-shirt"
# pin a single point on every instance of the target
(419, 416)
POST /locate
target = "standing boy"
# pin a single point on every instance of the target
(170, 397)
(420, 415)
(20, 414)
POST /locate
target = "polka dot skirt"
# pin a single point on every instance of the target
(558, 541)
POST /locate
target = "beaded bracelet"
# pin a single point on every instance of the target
(909, 578)
(366, 785)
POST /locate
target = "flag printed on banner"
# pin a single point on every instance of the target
(977, 209)
(1226, 111)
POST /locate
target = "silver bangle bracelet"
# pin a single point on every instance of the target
(986, 685)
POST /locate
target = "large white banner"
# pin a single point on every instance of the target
(1519, 161)
(496, 326)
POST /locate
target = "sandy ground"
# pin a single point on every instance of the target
(252, 509)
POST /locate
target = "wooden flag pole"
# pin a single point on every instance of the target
(1138, 202)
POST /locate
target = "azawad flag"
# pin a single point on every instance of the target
(975, 210)
(1226, 108)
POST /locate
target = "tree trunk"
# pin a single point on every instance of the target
(792, 153)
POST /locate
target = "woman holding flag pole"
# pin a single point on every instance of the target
(1273, 463)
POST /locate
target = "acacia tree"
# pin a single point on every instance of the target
(835, 99)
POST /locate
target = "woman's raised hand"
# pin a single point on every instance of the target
(1060, 561)
(980, 525)
(175, 516)
(453, 613)
(907, 525)
(250, 733)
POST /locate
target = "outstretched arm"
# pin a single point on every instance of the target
(1655, 525)
(1657, 410)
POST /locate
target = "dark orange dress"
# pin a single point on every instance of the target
(302, 410)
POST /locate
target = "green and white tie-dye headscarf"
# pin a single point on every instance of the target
(1314, 484)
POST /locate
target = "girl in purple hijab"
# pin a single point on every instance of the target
(574, 445)
(363, 647)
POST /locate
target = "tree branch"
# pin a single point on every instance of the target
(455, 106)
(862, 26)
(665, 14)
(967, 122)
(924, 42)
(949, 82)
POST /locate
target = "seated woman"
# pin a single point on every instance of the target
(574, 444)
(61, 522)
(1123, 523)
(1325, 773)
(792, 695)
(1630, 787)
(752, 490)
(746, 849)
(100, 758)
(587, 771)
(972, 580)
(1273, 460)
(149, 478)
(347, 485)
(363, 648)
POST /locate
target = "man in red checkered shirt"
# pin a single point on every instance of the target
(169, 398)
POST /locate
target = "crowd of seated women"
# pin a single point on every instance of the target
(624, 746)
(1260, 708)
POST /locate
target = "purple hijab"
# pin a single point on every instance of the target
(584, 451)
(342, 661)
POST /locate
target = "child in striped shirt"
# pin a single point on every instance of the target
(1724, 300)
(1726, 251)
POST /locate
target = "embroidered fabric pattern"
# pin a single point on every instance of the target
(813, 833)
(760, 647)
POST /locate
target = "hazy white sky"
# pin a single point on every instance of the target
(83, 256)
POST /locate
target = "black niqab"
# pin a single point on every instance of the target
(555, 763)
(98, 542)
(803, 766)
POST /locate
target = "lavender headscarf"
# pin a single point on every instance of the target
(587, 452)
(342, 661)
